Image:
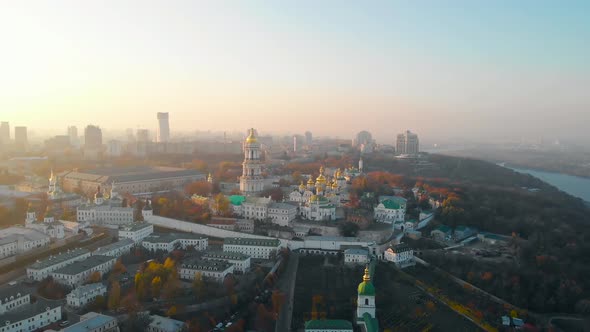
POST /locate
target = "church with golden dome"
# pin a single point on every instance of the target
(319, 199)
(252, 181)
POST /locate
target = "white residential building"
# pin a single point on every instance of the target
(213, 269)
(255, 248)
(241, 262)
(164, 324)
(282, 213)
(94, 322)
(401, 254)
(391, 209)
(255, 208)
(17, 240)
(83, 295)
(31, 316)
(116, 249)
(136, 231)
(78, 272)
(42, 269)
(13, 297)
(171, 241)
(356, 256)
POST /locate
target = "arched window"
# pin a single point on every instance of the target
(366, 301)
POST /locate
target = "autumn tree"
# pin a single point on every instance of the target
(222, 205)
(156, 286)
(201, 188)
(172, 311)
(94, 277)
(119, 268)
(114, 296)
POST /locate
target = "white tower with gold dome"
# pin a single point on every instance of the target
(251, 182)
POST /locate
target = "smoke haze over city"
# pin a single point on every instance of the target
(474, 70)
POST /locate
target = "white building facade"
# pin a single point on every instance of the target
(401, 255)
(83, 295)
(356, 256)
(208, 268)
(42, 269)
(78, 272)
(116, 249)
(255, 248)
(241, 262)
(136, 231)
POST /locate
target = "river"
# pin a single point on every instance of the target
(573, 185)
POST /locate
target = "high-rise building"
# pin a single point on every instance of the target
(251, 182)
(143, 135)
(308, 138)
(20, 137)
(407, 143)
(92, 137)
(163, 128)
(4, 133)
(73, 134)
(363, 138)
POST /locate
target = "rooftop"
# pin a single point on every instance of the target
(84, 265)
(136, 226)
(131, 174)
(283, 206)
(195, 263)
(7, 291)
(171, 237)
(113, 246)
(28, 311)
(225, 255)
(332, 238)
(166, 324)
(90, 324)
(81, 290)
(237, 199)
(252, 242)
(356, 252)
(52, 260)
(332, 324)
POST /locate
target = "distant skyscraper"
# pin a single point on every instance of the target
(129, 134)
(407, 143)
(4, 133)
(20, 137)
(73, 134)
(143, 135)
(92, 137)
(163, 127)
(294, 143)
(363, 138)
(308, 138)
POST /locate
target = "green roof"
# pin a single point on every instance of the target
(366, 288)
(371, 323)
(332, 324)
(237, 199)
(444, 228)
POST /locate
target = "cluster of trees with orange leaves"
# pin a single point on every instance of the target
(50, 289)
(157, 280)
(201, 188)
(177, 206)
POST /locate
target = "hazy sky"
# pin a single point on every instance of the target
(459, 68)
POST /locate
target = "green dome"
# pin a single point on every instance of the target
(366, 288)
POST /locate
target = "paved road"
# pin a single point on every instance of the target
(287, 285)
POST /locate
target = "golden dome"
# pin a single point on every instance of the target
(301, 186)
(251, 138)
(321, 179)
(313, 198)
(334, 185)
(310, 181)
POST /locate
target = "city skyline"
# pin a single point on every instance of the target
(487, 69)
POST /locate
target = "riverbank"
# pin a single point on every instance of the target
(574, 185)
